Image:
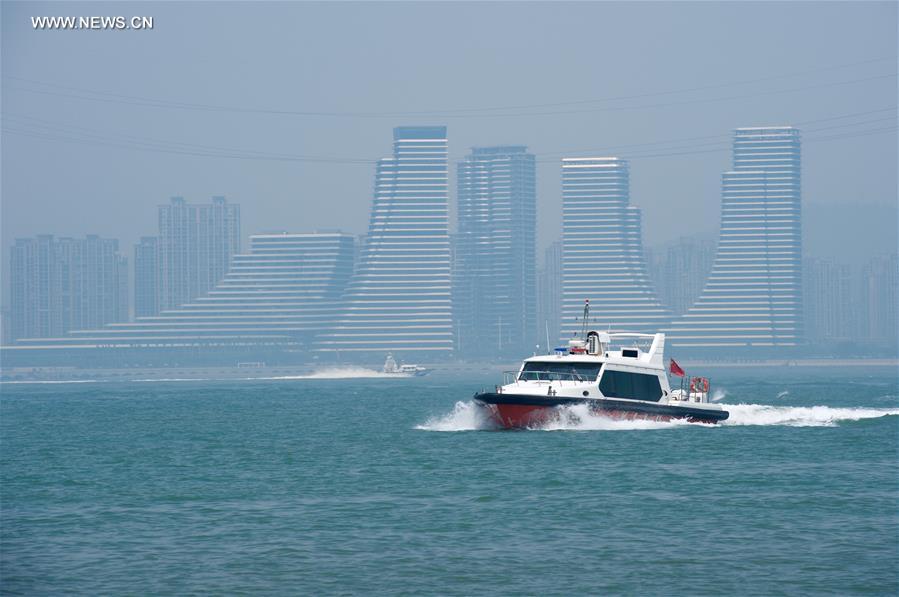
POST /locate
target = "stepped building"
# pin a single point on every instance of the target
(753, 296)
(279, 296)
(602, 251)
(195, 245)
(400, 297)
(494, 295)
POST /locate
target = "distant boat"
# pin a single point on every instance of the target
(392, 368)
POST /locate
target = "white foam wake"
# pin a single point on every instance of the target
(800, 416)
(579, 417)
(340, 373)
(469, 416)
(465, 416)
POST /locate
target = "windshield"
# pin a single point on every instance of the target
(556, 371)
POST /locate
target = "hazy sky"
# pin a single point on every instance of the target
(232, 98)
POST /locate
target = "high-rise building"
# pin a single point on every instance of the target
(62, 284)
(602, 251)
(494, 298)
(880, 299)
(5, 333)
(753, 297)
(400, 296)
(549, 297)
(281, 294)
(679, 271)
(195, 245)
(146, 277)
(828, 300)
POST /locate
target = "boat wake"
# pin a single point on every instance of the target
(465, 416)
(340, 373)
(469, 416)
(800, 416)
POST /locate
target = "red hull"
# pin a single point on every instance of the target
(519, 416)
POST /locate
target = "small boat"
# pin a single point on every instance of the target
(607, 371)
(392, 368)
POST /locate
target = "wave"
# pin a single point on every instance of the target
(800, 416)
(153, 380)
(465, 416)
(53, 381)
(579, 417)
(469, 416)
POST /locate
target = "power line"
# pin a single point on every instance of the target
(68, 132)
(721, 137)
(37, 128)
(484, 112)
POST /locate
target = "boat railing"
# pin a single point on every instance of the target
(510, 377)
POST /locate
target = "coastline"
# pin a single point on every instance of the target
(338, 371)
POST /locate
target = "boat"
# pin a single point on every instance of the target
(613, 373)
(391, 367)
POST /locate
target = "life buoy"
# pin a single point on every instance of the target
(699, 385)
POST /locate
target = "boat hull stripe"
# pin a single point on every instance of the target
(650, 409)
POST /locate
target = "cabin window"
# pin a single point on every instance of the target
(630, 352)
(637, 386)
(560, 371)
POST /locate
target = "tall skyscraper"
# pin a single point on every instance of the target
(828, 296)
(195, 246)
(62, 284)
(549, 296)
(753, 297)
(400, 296)
(495, 263)
(679, 271)
(602, 251)
(146, 277)
(283, 293)
(880, 299)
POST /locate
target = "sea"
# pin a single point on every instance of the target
(348, 482)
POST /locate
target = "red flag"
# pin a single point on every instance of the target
(675, 369)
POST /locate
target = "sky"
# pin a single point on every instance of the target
(282, 107)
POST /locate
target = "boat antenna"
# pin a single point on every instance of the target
(586, 317)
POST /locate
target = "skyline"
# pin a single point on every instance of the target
(411, 286)
(88, 152)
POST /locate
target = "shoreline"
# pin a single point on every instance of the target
(324, 371)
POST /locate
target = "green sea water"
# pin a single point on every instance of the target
(348, 483)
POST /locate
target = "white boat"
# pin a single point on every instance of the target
(391, 367)
(615, 374)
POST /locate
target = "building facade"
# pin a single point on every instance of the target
(195, 246)
(753, 297)
(549, 297)
(400, 299)
(60, 284)
(494, 296)
(679, 271)
(602, 251)
(880, 299)
(280, 295)
(146, 277)
(828, 292)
